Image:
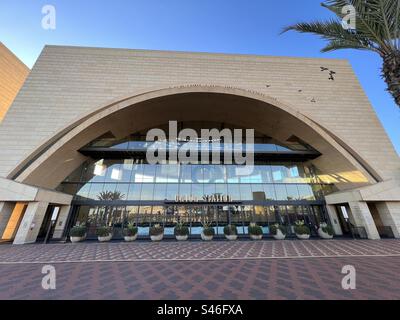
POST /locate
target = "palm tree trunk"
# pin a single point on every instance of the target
(391, 74)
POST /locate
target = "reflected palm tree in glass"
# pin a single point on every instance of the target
(105, 217)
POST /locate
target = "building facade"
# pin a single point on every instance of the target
(74, 146)
(13, 73)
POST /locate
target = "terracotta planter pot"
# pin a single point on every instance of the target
(256, 237)
(303, 236)
(182, 238)
(105, 239)
(279, 235)
(157, 238)
(206, 238)
(130, 238)
(231, 237)
(324, 235)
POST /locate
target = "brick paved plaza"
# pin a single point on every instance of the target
(197, 270)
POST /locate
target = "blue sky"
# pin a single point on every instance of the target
(229, 26)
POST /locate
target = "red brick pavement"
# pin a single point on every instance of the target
(198, 270)
(171, 250)
(297, 278)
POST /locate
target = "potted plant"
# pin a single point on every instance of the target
(77, 234)
(325, 231)
(181, 232)
(255, 231)
(230, 232)
(301, 230)
(208, 232)
(131, 233)
(104, 234)
(156, 232)
(278, 231)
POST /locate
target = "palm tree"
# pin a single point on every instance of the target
(377, 29)
(110, 196)
(106, 217)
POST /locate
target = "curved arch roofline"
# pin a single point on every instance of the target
(50, 146)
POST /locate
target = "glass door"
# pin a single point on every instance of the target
(284, 219)
(261, 218)
(197, 218)
(244, 218)
(223, 217)
(117, 222)
(310, 220)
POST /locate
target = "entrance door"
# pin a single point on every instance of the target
(197, 218)
(313, 218)
(344, 220)
(244, 218)
(49, 223)
(223, 217)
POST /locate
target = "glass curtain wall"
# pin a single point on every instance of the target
(125, 180)
(194, 215)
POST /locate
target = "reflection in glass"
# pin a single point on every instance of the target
(186, 174)
(123, 190)
(173, 173)
(147, 192)
(198, 174)
(144, 216)
(83, 192)
(198, 190)
(172, 191)
(131, 214)
(221, 189)
(261, 216)
(134, 192)
(234, 191)
(245, 192)
(258, 192)
(269, 190)
(292, 214)
(306, 192)
(113, 170)
(108, 193)
(281, 193)
(160, 192)
(292, 192)
(273, 216)
(231, 175)
(185, 190)
(95, 190)
(137, 173)
(209, 189)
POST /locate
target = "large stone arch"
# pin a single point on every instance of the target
(50, 163)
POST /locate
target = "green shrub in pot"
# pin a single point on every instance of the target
(208, 232)
(156, 232)
(104, 233)
(302, 231)
(255, 231)
(181, 232)
(77, 234)
(230, 232)
(131, 232)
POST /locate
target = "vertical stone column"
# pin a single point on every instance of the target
(334, 219)
(31, 223)
(6, 210)
(390, 215)
(363, 218)
(61, 222)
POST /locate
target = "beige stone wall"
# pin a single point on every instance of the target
(67, 82)
(12, 76)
